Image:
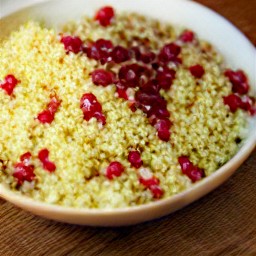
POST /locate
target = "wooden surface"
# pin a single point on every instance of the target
(221, 223)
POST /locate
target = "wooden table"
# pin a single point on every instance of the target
(221, 223)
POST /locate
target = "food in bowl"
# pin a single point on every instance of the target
(115, 110)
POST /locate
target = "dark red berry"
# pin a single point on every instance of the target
(100, 50)
(120, 54)
(187, 36)
(115, 169)
(147, 57)
(165, 77)
(163, 129)
(23, 173)
(197, 71)
(43, 156)
(72, 44)
(129, 75)
(91, 108)
(169, 52)
(102, 77)
(190, 170)
(233, 101)
(239, 81)
(9, 84)
(122, 93)
(185, 164)
(135, 159)
(195, 174)
(105, 16)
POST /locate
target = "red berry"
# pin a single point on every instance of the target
(43, 156)
(165, 77)
(233, 101)
(157, 191)
(163, 129)
(147, 57)
(169, 52)
(122, 93)
(91, 108)
(185, 164)
(239, 81)
(187, 36)
(153, 181)
(105, 16)
(102, 77)
(46, 116)
(129, 75)
(115, 169)
(53, 105)
(100, 50)
(197, 71)
(49, 166)
(23, 173)
(195, 174)
(72, 44)
(25, 158)
(192, 171)
(100, 117)
(135, 159)
(164, 135)
(9, 84)
(120, 54)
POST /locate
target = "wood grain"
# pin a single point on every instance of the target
(221, 223)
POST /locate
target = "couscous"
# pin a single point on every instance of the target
(115, 111)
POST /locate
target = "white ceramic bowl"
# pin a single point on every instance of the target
(237, 50)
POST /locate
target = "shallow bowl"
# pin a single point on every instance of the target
(210, 26)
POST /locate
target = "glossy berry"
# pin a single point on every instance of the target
(105, 16)
(239, 81)
(9, 84)
(122, 93)
(100, 50)
(148, 182)
(43, 156)
(23, 173)
(187, 36)
(156, 191)
(120, 54)
(135, 159)
(129, 75)
(102, 77)
(115, 169)
(197, 71)
(25, 158)
(169, 52)
(233, 101)
(45, 117)
(72, 44)
(91, 108)
(190, 170)
(165, 78)
(163, 129)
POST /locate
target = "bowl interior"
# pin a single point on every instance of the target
(225, 38)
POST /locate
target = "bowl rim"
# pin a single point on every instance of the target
(225, 170)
